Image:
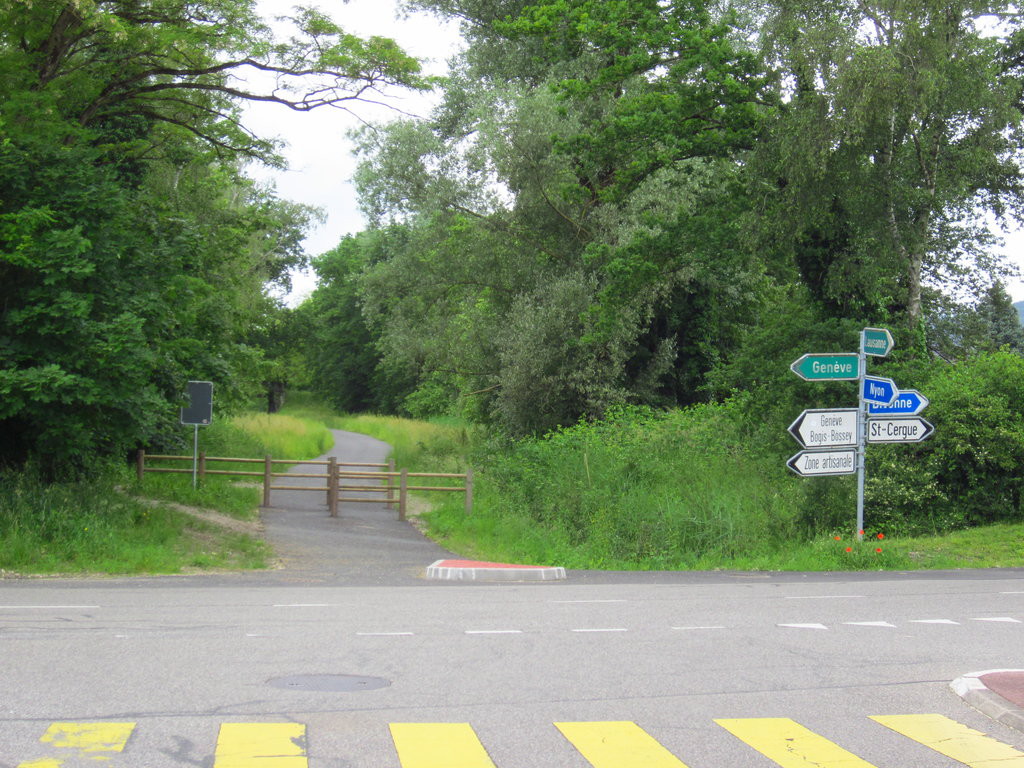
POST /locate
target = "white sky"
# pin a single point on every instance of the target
(320, 163)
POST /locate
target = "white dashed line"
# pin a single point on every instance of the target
(569, 602)
(804, 626)
(1001, 619)
(934, 621)
(608, 629)
(46, 607)
(869, 624)
(494, 631)
(821, 597)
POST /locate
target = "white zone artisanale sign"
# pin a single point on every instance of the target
(822, 463)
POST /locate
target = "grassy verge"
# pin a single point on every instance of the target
(115, 524)
(672, 491)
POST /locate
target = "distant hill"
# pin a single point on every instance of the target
(1020, 310)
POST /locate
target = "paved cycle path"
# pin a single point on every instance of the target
(365, 545)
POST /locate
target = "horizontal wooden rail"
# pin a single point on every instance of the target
(333, 487)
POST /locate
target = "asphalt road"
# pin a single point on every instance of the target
(691, 659)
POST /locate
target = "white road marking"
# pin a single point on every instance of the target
(821, 597)
(494, 631)
(804, 626)
(869, 624)
(46, 607)
(567, 602)
(607, 629)
(934, 621)
(1003, 619)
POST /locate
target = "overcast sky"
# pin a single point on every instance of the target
(319, 157)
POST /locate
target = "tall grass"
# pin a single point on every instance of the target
(639, 490)
(93, 526)
(97, 526)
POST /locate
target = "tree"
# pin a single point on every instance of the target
(559, 202)
(134, 254)
(901, 125)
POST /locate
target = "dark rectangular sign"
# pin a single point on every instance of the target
(200, 406)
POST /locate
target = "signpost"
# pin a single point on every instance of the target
(908, 402)
(842, 367)
(824, 463)
(898, 430)
(198, 412)
(836, 439)
(825, 428)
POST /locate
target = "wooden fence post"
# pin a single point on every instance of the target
(391, 483)
(332, 486)
(266, 480)
(469, 490)
(403, 494)
(140, 462)
(202, 465)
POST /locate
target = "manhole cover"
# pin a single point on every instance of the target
(336, 683)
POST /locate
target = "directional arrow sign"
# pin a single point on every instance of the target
(821, 463)
(841, 367)
(877, 342)
(897, 430)
(878, 390)
(908, 402)
(819, 428)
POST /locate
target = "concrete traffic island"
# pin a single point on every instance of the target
(474, 570)
(998, 693)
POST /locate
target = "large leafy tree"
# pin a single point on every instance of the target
(134, 254)
(901, 126)
(557, 201)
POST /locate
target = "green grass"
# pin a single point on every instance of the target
(116, 524)
(95, 527)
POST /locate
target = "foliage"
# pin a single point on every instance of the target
(901, 123)
(968, 472)
(641, 489)
(563, 244)
(89, 526)
(134, 254)
(341, 347)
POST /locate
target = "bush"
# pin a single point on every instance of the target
(969, 472)
(646, 489)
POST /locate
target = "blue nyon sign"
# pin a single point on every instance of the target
(879, 390)
(908, 402)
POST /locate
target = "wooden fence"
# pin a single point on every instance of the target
(392, 483)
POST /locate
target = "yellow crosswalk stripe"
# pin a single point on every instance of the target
(439, 745)
(92, 740)
(261, 745)
(954, 740)
(790, 744)
(618, 745)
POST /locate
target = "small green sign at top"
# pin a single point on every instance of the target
(877, 342)
(841, 367)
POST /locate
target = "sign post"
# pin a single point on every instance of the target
(198, 412)
(836, 439)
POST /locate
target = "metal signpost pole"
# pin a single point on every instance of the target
(195, 456)
(862, 418)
